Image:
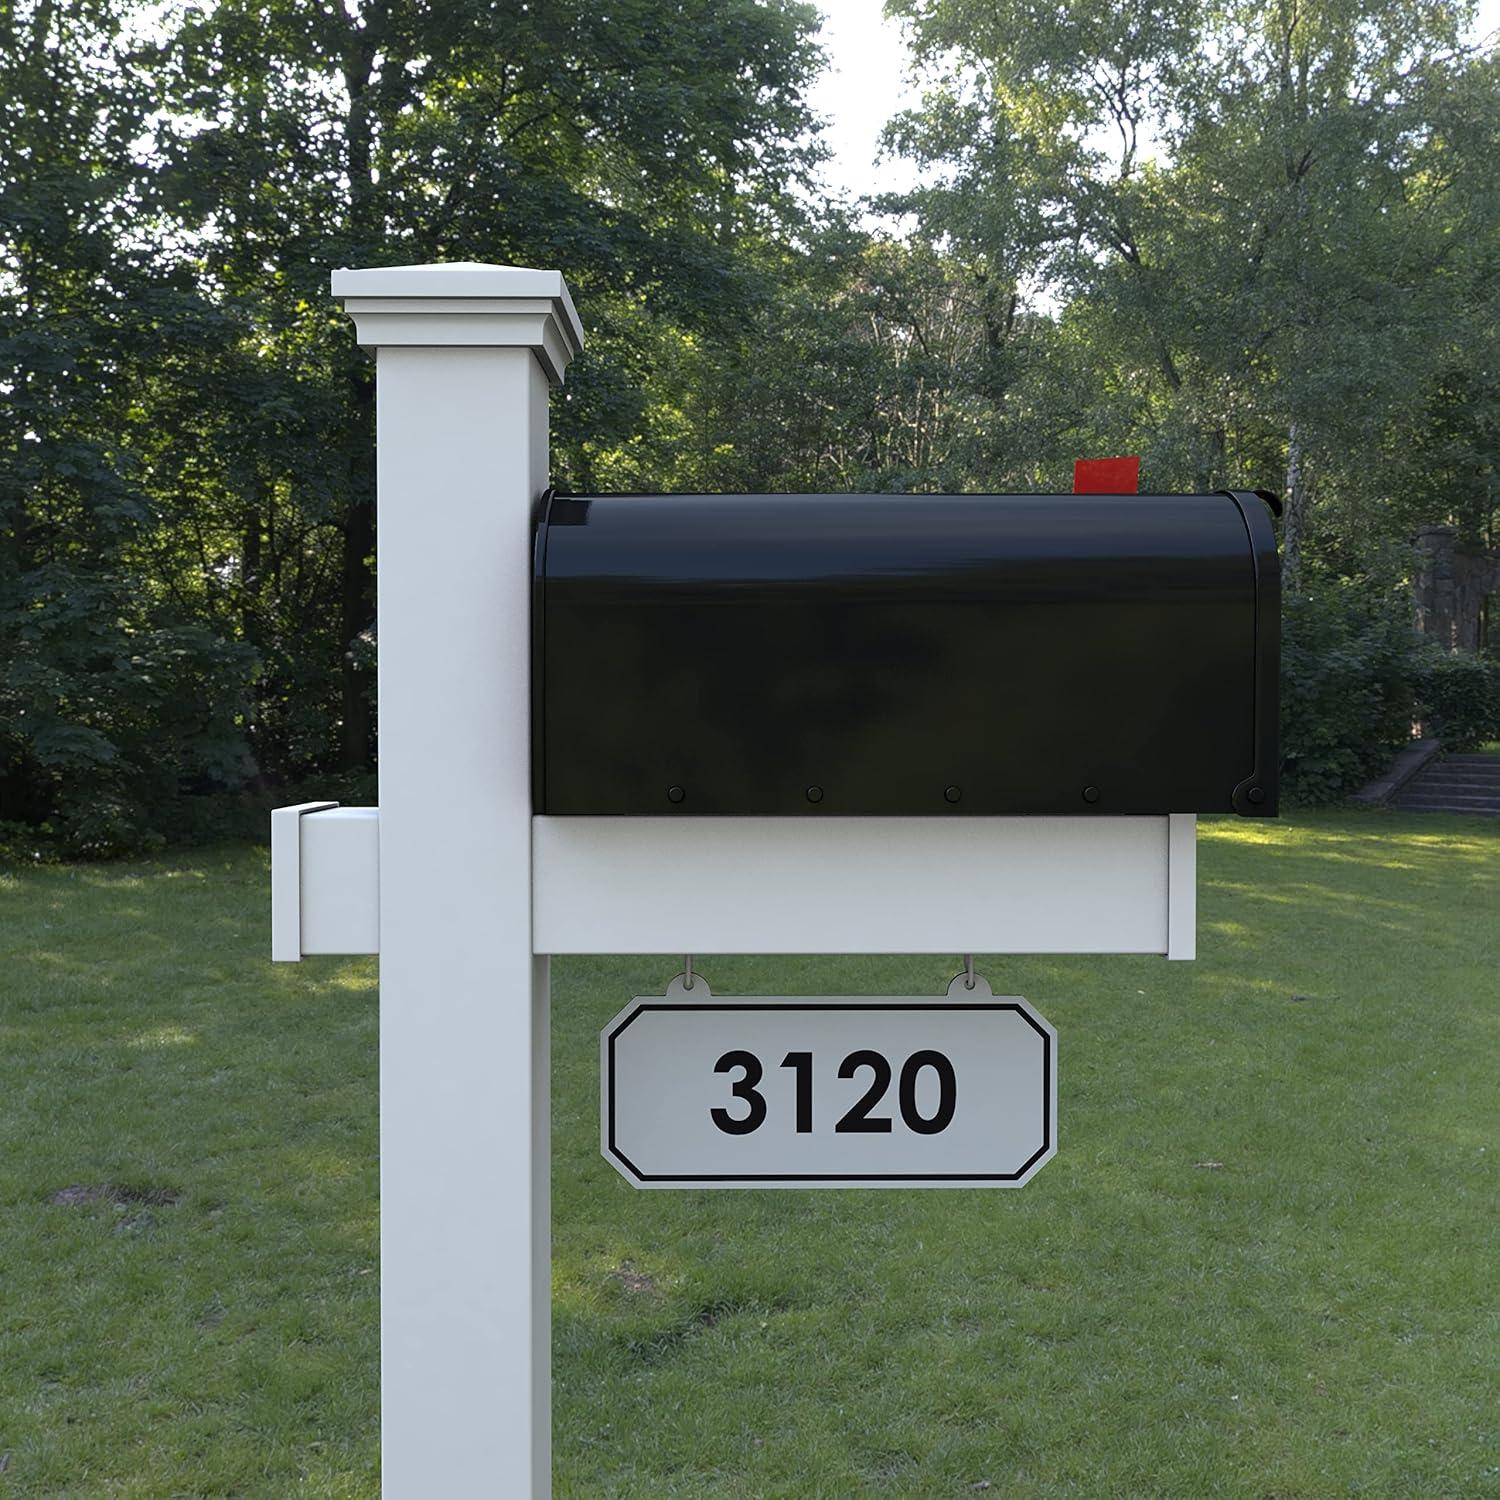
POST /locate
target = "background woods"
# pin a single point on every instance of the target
(1257, 244)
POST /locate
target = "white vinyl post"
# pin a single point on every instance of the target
(466, 355)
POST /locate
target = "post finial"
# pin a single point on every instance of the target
(464, 303)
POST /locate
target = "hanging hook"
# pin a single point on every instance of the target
(687, 971)
(968, 971)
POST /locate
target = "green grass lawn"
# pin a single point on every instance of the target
(1263, 1263)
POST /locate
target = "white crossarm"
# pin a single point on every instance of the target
(325, 880)
(783, 885)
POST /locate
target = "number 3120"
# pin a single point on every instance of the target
(858, 1119)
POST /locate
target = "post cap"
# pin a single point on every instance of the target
(467, 303)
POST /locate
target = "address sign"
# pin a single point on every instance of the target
(703, 1091)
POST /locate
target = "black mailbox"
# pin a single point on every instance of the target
(905, 654)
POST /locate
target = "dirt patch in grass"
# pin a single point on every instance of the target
(627, 1276)
(114, 1192)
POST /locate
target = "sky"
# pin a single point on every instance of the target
(862, 87)
(865, 85)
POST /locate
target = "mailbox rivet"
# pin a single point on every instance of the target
(1091, 794)
(1256, 794)
(952, 793)
(815, 794)
(675, 794)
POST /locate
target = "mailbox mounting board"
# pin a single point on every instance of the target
(948, 655)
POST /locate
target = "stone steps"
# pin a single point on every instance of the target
(1445, 802)
(1457, 784)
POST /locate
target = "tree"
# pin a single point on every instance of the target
(648, 148)
(110, 694)
(1270, 287)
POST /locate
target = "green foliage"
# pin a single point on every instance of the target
(1256, 244)
(111, 716)
(1273, 227)
(114, 691)
(1349, 663)
(1458, 694)
(187, 528)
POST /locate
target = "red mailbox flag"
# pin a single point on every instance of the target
(1106, 476)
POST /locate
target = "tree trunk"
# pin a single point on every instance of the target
(1212, 468)
(1294, 519)
(357, 579)
(354, 620)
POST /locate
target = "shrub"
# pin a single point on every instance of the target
(1459, 696)
(1349, 666)
(108, 706)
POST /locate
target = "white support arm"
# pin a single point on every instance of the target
(751, 885)
(286, 879)
(325, 880)
(1182, 885)
(863, 885)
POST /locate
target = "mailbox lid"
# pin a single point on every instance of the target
(894, 654)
